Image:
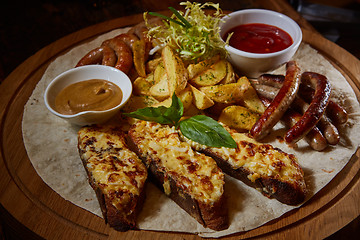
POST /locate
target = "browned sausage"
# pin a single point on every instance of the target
(271, 80)
(330, 132)
(316, 108)
(280, 104)
(123, 52)
(314, 138)
(128, 38)
(266, 91)
(328, 129)
(101, 55)
(336, 113)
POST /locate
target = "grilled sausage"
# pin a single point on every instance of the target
(128, 38)
(316, 108)
(102, 55)
(336, 113)
(123, 52)
(280, 104)
(330, 132)
(314, 138)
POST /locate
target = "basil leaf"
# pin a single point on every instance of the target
(206, 131)
(163, 115)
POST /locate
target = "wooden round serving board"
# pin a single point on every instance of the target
(37, 207)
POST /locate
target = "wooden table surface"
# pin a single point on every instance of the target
(33, 209)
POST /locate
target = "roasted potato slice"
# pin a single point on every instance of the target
(238, 117)
(226, 93)
(177, 74)
(137, 102)
(251, 99)
(160, 90)
(192, 110)
(152, 64)
(196, 69)
(200, 100)
(230, 74)
(186, 97)
(141, 86)
(159, 72)
(139, 55)
(211, 76)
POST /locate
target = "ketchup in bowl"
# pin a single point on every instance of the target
(258, 38)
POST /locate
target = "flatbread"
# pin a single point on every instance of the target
(60, 167)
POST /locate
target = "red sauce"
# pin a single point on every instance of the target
(259, 38)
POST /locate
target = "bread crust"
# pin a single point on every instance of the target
(285, 192)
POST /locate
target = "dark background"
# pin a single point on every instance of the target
(28, 26)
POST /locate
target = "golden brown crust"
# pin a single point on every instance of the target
(291, 193)
(115, 173)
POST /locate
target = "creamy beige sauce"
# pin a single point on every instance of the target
(89, 95)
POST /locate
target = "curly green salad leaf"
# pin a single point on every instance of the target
(194, 34)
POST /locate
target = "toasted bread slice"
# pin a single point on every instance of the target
(270, 170)
(191, 179)
(115, 173)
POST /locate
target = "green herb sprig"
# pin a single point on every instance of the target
(199, 128)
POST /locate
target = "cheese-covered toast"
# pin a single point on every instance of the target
(191, 179)
(115, 173)
(268, 169)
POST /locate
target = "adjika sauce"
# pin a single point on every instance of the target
(259, 38)
(89, 95)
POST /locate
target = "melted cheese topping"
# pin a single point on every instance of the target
(114, 168)
(261, 160)
(196, 174)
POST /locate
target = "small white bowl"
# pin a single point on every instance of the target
(82, 74)
(254, 64)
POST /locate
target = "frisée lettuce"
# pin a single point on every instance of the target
(193, 34)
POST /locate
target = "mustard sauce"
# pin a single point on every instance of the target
(89, 95)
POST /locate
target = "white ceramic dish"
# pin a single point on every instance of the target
(254, 64)
(86, 73)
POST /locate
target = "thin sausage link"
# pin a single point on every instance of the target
(329, 130)
(314, 138)
(316, 108)
(280, 104)
(336, 113)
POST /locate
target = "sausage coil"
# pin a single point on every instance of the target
(123, 52)
(102, 55)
